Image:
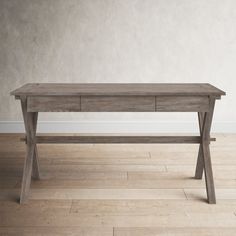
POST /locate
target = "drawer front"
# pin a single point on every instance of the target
(182, 103)
(118, 103)
(53, 103)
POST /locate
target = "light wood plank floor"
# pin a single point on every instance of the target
(120, 190)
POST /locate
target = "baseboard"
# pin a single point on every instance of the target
(115, 127)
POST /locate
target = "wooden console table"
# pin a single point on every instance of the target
(50, 97)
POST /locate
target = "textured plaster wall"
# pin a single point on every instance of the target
(137, 41)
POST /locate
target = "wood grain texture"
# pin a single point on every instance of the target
(36, 170)
(206, 127)
(53, 104)
(141, 89)
(117, 103)
(56, 231)
(146, 207)
(118, 139)
(127, 213)
(117, 98)
(170, 231)
(107, 194)
(200, 161)
(30, 127)
(182, 103)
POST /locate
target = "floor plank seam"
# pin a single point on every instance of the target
(116, 206)
(71, 205)
(185, 194)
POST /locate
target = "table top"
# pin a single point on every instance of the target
(115, 89)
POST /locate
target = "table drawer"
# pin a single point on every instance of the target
(53, 103)
(182, 103)
(118, 103)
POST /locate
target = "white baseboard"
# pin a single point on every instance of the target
(115, 127)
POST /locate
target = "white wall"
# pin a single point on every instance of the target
(137, 41)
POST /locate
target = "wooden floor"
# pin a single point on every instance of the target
(120, 190)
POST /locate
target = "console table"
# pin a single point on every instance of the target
(52, 97)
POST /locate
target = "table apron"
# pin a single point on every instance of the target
(117, 103)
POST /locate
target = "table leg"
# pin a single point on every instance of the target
(30, 120)
(206, 153)
(200, 163)
(36, 172)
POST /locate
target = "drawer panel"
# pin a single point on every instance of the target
(118, 103)
(53, 103)
(182, 103)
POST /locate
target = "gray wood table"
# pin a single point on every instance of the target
(51, 97)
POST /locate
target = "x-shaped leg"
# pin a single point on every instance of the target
(204, 158)
(200, 163)
(31, 160)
